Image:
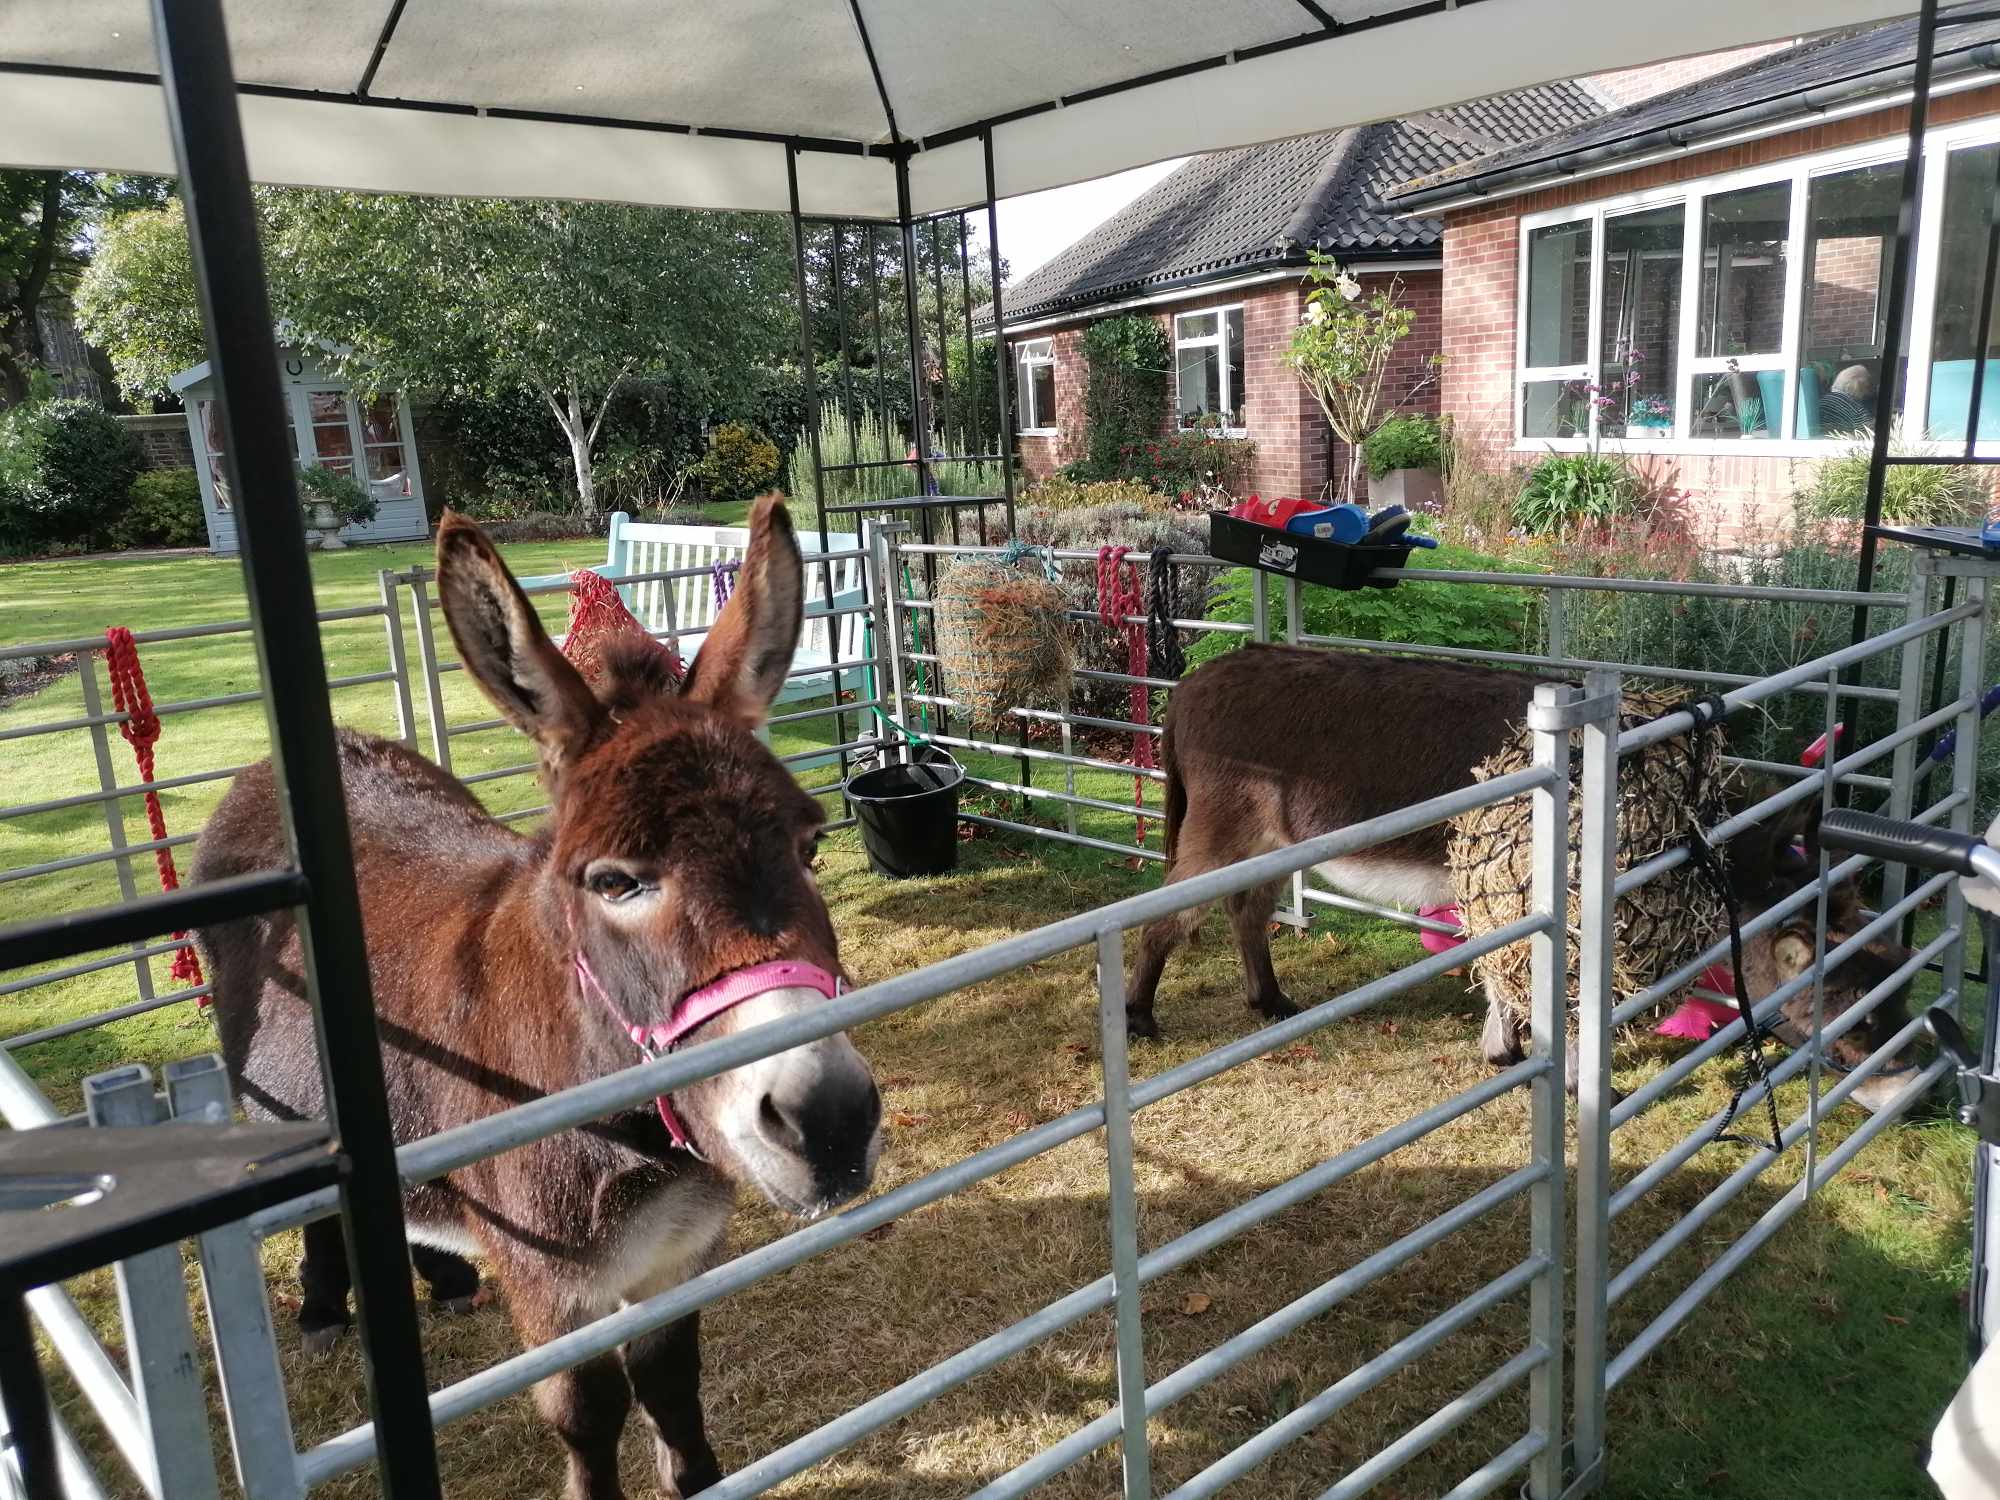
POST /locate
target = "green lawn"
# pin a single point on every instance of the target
(1816, 1370)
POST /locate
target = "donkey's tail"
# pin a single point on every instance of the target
(1177, 801)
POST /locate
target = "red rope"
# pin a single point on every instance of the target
(597, 614)
(142, 732)
(1121, 607)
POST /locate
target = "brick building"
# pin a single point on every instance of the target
(1216, 252)
(1735, 233)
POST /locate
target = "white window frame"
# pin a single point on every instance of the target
(1232, 400)
(1940, 142)
(1032, 353)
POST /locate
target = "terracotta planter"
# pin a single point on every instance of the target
(1413, 489)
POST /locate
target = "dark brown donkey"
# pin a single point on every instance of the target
(1270, 745)
(674, 870)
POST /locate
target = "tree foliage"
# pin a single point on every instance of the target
(1125, 390)
(136, 300)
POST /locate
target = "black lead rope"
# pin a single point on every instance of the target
(1709, 710)
(1164, 653)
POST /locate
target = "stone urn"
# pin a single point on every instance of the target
(323, 526)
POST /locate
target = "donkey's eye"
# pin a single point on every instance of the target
(612, 885)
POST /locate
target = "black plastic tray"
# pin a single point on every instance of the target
(1309, 558)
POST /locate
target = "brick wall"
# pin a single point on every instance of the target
(1294, 453)
(163, 440)
(1480, 285)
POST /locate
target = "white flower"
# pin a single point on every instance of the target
(1315, 313)
(1347, 286)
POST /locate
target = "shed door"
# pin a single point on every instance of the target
(330, 430)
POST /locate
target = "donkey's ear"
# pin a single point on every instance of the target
(505, 648)
(748, 651)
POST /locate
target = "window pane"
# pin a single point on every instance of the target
(1559, 294)
(327, 406)
(1232, 342)
(1850, 235)
(1955, 337)
(1639, 334)
(1743, 271)
(1195, 326)
(1200, 383)
(380, 421)
(211, 428)
(1043, 386)
(1555, 408)
(387, 474)
(1738, 404)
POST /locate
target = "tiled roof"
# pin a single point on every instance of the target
(1234, 211)
(1845, 57)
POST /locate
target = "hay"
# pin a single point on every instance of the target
(1001, 639)
(1656, 928)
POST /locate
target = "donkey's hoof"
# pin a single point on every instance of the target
(320, 1341)
(458, 1305)
(1141, 1027)
(1275, 1007)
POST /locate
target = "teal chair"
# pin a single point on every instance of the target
(1951, 399)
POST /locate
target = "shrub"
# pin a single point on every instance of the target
(1480, 616)
(1064, 492)
(79, 466)
(350, 500)
(1566, 491)
(162, 509)
(740, 464)
(1125, 391)
(1404, 443)
(1912, 494)
(1194, 463)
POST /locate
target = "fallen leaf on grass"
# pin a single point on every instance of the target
(1892, 1318)
(900, 1081)
(1019, 1119)
(902, 1119)
(881, 1231)
(1388, 1028)
(1196, 1303)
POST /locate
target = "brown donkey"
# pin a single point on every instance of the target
(1271, 745)
(669, 894)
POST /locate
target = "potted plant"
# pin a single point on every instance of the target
(332, 500)
(1406, 463)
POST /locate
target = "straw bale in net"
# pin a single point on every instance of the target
(1663, 791)
(1001, 639)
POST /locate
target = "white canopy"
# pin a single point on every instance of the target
(692, 102)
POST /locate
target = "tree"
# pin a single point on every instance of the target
(475, 297)
(1341, 351)
(568, 300)
(46, 221)
(136, 300)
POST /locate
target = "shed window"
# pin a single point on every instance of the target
(1038, 386)
(211, 442)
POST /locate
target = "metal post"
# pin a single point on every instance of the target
(1124, 1216)
(881, 370)
(913, 323)
(1965, 781)
(1597, 861)
(113, 808)
(427, 663)
(1548, 1094)
(399, 660)
(1826, 805)
(1909, 708)
(840, 324)
(1890, 381)
(1985, 323)
(214, 175)
(943, 345)
(239, 1313)
(32, 1435)
(1003, 429)
(1556, 604)
(890, 648)
(152, 1303)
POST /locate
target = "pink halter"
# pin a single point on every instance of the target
(698, 1007)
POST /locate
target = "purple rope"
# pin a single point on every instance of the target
(723, 577)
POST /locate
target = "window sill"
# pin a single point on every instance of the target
(1039, 432)
(1753, 447)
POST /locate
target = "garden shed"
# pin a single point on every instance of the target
(330, 425)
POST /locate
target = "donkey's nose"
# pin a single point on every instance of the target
(829, 1127)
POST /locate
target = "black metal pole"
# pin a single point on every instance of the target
(1889, 381)
(207, 134)
(881, 370)
(919, 427)
(846, 353)
(1004, 429)
(810, 378)
(969, 440)
(25, 1399)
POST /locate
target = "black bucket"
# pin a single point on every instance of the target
(909, 814)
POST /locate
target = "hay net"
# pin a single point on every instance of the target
(1664, 791)
(1002, 638)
